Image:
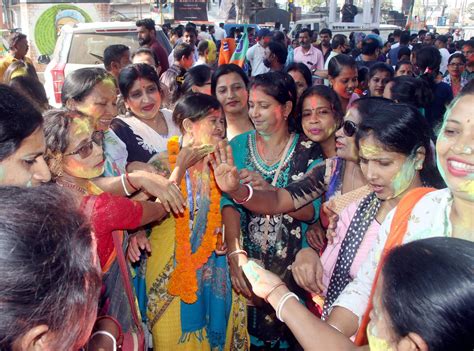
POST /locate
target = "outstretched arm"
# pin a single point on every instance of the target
(283, 200)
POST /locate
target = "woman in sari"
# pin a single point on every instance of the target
(74, 156)
(189, 303)
(446, 212)
(269, 154)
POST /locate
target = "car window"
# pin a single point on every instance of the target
(88, 48)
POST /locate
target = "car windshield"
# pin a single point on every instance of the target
(88, 48)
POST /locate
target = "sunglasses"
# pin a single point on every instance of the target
(86, 150)
(349, 128)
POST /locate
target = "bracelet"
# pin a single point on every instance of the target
(103, 332)
(282, 302)
(117, 324)
(122, 178)
(272, 290)
(130, 182)
(236, 252)
(249, 196)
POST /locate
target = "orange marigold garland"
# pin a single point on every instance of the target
(183, 281)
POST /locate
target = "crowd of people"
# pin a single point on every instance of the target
(317, 195)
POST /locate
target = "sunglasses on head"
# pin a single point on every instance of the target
(86, 150)
(349, 128)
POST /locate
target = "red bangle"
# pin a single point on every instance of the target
(129, 182)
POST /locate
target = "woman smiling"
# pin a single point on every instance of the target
(270, 154)
(145, 132)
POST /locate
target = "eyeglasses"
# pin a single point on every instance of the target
(456, 64)
(86, 150)
(349, 128)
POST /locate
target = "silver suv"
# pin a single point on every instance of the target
(83, 45)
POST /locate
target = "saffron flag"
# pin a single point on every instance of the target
(226, 50)
(240, 51)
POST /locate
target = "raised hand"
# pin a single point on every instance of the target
(225, 173)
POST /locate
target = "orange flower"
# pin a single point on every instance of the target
(183, 281)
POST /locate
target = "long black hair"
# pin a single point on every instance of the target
(412, 91)
(49, 270)
(428, 289)
(18, 120)
(402, 128)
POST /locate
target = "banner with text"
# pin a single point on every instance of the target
(190, 10)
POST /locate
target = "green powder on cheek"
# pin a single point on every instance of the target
(404, 177)
(2, 174)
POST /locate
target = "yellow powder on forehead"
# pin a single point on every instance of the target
(370, 150)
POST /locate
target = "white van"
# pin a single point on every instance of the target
(83, 45)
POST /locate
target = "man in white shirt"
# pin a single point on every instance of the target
(256, 54)
(203, 34)
(441, 43)
(220, 32)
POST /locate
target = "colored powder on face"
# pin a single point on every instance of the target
(403, 179)
(29, 184)
(109, 82)
(467, 187)
(2, 174)
(82, 126)
(75, 169)
(367, 151)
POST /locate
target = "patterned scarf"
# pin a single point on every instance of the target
(361, 221)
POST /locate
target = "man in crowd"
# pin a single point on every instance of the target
(18, 48)
(325, 46)
(174, 76)
(468, 52)
(207, 53)
(429, 39)
(441, 43)
(256, 54)
(348, 11)
(403, 41)
(203, 34)
(306, 53)
(116, 57)
(369, 54)
(275, 56)
(147, 38)
(190, 38)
